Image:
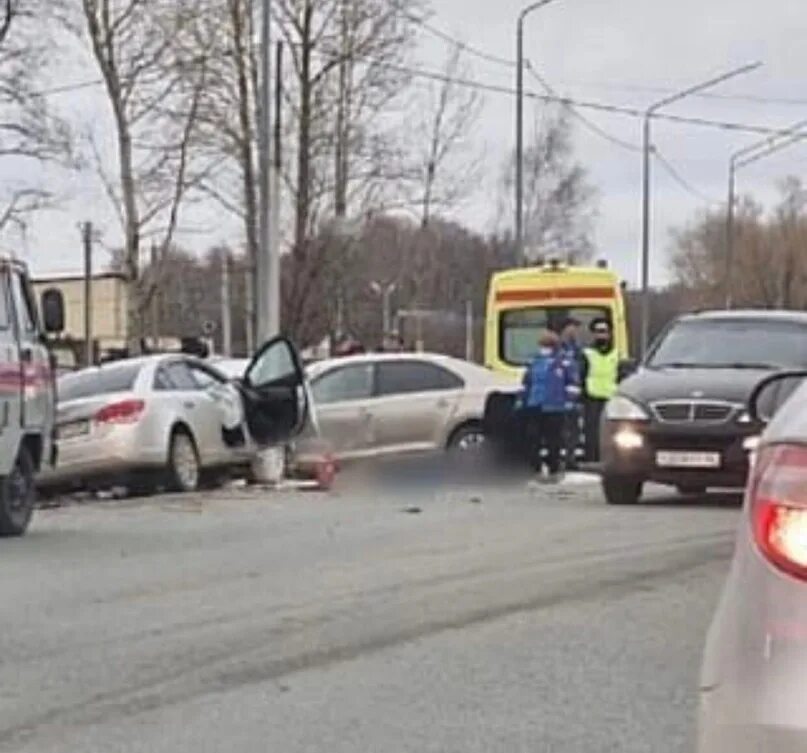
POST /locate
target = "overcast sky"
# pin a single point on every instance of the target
(627, 52)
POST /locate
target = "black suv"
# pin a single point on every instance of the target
(681, 419)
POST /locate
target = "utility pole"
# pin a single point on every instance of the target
(647, 148)
(264, 264)
(226, 318)
(742, 157)
(249, 295)
(519, 209)
(273, 323)
(155, 302)
(730, 231)
(88, 309)
(469, 328)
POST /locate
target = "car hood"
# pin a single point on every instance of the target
(730, 385)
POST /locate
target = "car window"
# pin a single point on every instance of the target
(23, 304)
(734, 343)
(204, 378)
(5, 318)
(101, 381)
(401, 377)
(274, 364)
(175, 376)
(345, 383)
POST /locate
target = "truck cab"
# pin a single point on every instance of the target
(27, 393)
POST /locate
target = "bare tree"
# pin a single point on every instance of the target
(769, 267)
(154, 75)
(29, 131)
(449, 112)
(559, 201)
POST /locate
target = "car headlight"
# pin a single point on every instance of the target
(744, 418)
(621, 408)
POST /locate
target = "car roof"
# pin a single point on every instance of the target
(138, 362)
(777, 315)
(468, 369)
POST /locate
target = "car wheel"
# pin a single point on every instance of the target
(621, 490)
(17, 496)
(184, 472)
(466, 437)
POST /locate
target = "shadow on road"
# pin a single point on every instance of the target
(731, 500)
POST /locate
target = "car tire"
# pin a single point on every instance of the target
(17, 496)
(622, 490)
(469, 436)
(184, 469)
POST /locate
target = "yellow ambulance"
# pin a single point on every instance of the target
(525, 301)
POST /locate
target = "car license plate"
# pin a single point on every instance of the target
(675, 459)
(74, 430)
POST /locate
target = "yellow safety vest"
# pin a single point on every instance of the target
(603, 373)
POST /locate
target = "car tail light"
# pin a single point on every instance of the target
(123, 412)
(779, 507)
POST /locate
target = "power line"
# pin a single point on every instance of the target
(633, 112)
(683, 182)
(429, 75)
(509, 63)
(446, 37)
(590, 124)
(649, 89)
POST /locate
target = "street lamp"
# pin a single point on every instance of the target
(741, 158)
(385, 293)
(646, 150)
(266, 283)
(519, 219)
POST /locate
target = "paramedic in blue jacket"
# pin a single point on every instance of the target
(549, 381)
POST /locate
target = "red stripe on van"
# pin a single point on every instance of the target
(553, 294)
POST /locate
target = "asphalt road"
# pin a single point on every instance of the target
(397, 618)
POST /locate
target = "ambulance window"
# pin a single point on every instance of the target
(22, 304)
(5, 318)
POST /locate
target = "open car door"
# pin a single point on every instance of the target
(275, 397)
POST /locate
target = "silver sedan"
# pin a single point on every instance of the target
(388, 403)
(378, 404)
(754, 674)
(172, 420)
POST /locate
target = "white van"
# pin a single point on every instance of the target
(27, 393)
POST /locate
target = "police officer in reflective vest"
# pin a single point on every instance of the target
(600, 378)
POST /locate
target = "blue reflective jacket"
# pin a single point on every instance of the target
(573, 357)
(550, 382)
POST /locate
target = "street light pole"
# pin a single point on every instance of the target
(741, 158)
(263, 262)
(519, 208)
(646, 153)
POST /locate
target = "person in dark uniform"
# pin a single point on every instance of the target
(599, 378)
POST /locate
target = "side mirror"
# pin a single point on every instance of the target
(627, 367)
(772, 393)
(53, 311)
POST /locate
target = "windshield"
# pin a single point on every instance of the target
(735, 343)
(520, 328)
